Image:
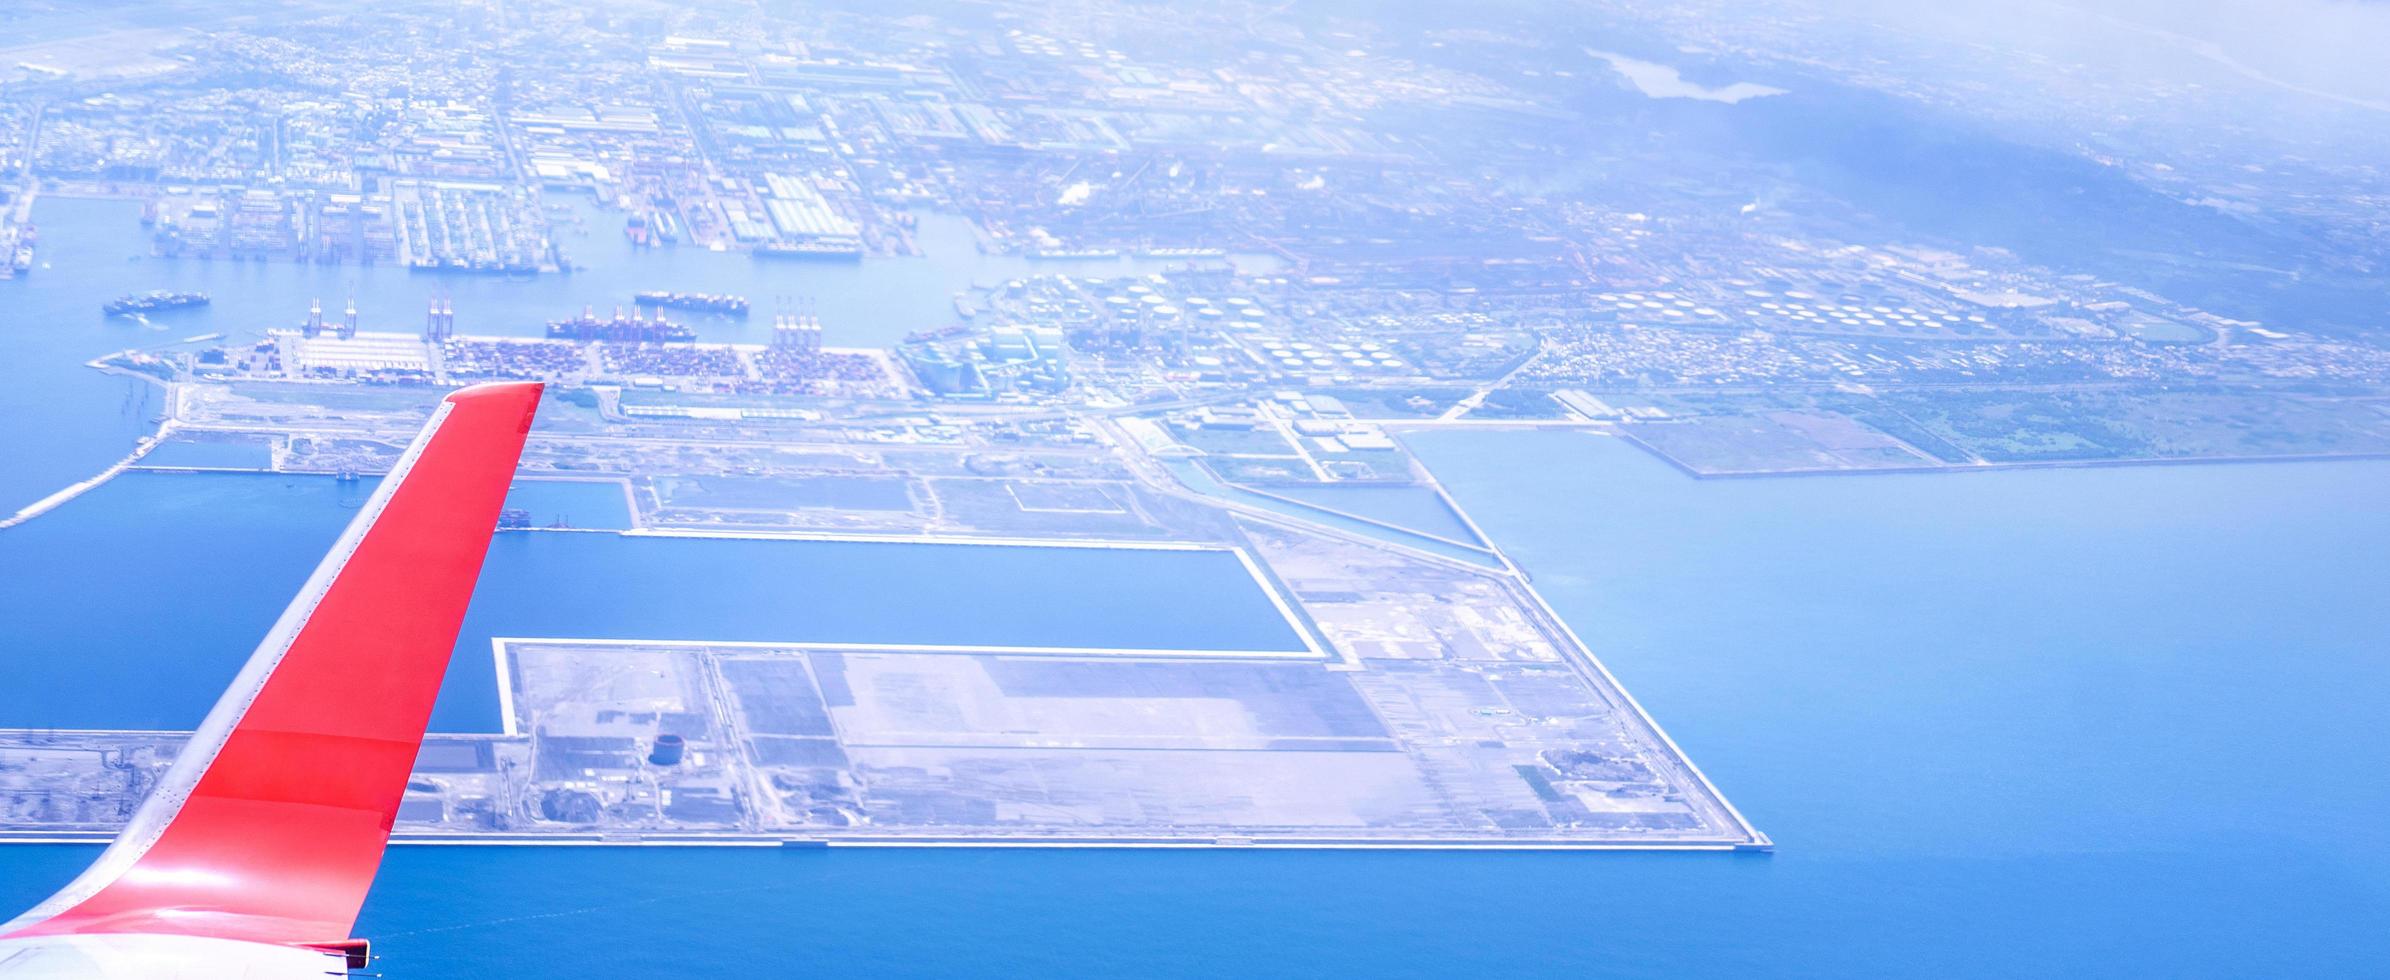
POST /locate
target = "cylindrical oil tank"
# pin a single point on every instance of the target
(669, 749)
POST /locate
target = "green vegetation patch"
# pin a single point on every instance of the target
(1235, 469)
(1257, 441)
(1519, 403)
(1398, 403)
(1769, 442)
(2005, 426)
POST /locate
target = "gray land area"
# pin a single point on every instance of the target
(1434, 700)
(1447, 709)
(1493, 741)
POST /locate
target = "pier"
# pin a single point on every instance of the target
(73, 490)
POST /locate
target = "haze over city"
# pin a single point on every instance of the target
(1626, 488)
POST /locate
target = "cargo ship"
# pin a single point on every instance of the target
(152, 301)
(16, 250)
(705, 302)
(817, 249)
(620, 329)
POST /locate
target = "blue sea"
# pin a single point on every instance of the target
(202, 563)
(2013, 724)
(2053, 722)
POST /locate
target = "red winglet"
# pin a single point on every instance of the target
(272, 824)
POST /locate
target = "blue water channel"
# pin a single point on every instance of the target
(2058, 722)
(129, 606)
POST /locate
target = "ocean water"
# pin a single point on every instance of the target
(584, 504)
(2056, 722)
(210, 454)
(131, 605)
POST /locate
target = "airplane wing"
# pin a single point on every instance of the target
(269, 826)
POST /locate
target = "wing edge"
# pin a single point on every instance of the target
(165, 801)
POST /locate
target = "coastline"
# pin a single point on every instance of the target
(1989, 467)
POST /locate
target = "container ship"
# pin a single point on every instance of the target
(620, 329)
(827, 248)
(647, 229)
(150, 301)
(706, 302)
(16, 250)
